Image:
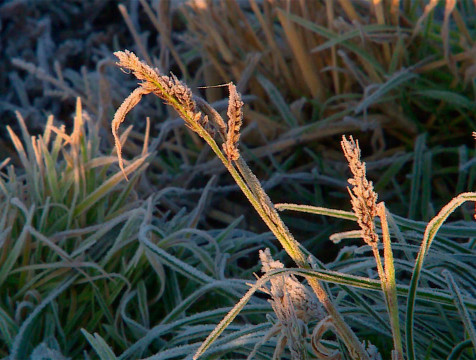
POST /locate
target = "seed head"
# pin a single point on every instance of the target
(363, 196)
(235, 120)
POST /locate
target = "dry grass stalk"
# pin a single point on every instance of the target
(312, 78)
(168, 88)
(428, 8)
(445, 35)
(235, 120)
(134, 33)
(127, 105)
(363, 196)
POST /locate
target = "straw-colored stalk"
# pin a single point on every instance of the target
(364, 204)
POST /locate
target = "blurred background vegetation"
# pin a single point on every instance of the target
(397, 75)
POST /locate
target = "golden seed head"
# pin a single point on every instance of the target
(168, 88)
(235, 120)
(363, 196)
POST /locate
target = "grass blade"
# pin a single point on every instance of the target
(99, 345)
(429, 236)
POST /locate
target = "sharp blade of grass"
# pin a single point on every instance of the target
(430, 234)
(277, 99)
(462, 310)
(18, 348)
(394, 82)
(106, 187)
(415, 190)
(450, 97)
(99, 345)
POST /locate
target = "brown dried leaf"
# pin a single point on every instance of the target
(128, 104)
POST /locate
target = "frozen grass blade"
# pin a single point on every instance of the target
(340, 214)
(107, 186)
(415, 190)
(462, 310)
(18, 346)
(430, 234)
(19, 243)
(378, 91)
(180, 266)
(277, 99)
(99, 345)
(233, 313)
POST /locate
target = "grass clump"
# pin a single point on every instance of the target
(71, 255)
(60, 215)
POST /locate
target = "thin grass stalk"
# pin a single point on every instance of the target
(390, 282)
(395, 11)
(380, 14)
(312, 78)
(364, 205)
(330, 21)
(135, 34)
(275, 53)
(463, 312)
(164, 32)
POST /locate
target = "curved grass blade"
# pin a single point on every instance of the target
(99, 345)
(430, 234)
(416, 176)
(278, 101)
(18, 348)
(458, 349)
(393, 82)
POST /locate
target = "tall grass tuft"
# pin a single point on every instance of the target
(89, 263)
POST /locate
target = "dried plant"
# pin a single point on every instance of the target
(168, 88)
(294, 305)
(235, 120)
(363, 196)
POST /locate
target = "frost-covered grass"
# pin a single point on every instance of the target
(92, 265)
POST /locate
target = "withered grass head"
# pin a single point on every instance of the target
(305, 304)
(363, 196)
(235, 120)
(168, 88)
